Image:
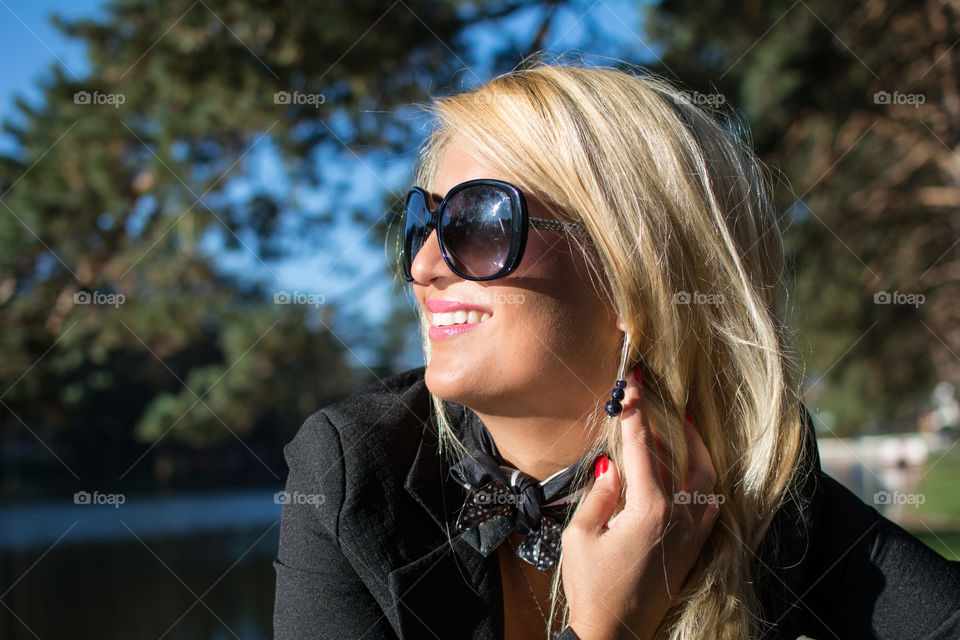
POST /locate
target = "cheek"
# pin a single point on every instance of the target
(567, 311)
(563, 273)
(545, 257)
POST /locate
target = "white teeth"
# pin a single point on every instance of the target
(459, 317)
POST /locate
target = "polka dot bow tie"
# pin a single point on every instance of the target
(502, 499)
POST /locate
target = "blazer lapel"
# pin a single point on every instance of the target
(449, 591)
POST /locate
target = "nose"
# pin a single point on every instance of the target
(428, 264)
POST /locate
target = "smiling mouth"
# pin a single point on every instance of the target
(453, 318)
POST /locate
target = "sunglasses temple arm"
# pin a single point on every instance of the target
(555, 225)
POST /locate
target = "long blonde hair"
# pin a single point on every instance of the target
(685, 241)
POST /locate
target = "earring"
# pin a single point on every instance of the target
(613, 406)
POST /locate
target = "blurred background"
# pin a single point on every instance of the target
(198, 204)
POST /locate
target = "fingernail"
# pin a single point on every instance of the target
(638, 374)
(601, 466)
(689, 417)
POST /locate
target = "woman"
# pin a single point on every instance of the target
(607, 437)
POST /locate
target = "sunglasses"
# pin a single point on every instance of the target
(481, 226)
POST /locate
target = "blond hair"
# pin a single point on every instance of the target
(677, 208)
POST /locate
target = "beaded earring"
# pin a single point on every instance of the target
(613, 406)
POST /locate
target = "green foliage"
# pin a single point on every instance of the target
(120, 177)
(868, 184)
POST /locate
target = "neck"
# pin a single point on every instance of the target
(539, 447)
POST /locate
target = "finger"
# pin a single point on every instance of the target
(701, 479)
(701, 474)
(667, 468)
(640, 461)
(707, 521)
(601, 500)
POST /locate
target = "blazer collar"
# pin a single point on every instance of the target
(453, 590)
(430, 484)
(428, 479)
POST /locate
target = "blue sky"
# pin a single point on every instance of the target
(30, 45)
(352, 274)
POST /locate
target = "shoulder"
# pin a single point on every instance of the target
(379, 417)
(836, 566)
(396, 398)
(871, 575)
(351, 458)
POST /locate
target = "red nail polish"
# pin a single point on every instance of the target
(638, 374)
(689, 417)
(601, 466)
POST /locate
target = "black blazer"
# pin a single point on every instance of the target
(364, 552)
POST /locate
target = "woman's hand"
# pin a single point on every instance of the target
(620, 575)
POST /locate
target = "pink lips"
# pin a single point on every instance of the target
(444, 306)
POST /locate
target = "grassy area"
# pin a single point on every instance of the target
(940, 487)
(946, 543)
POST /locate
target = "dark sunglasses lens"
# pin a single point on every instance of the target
(415, 216)
(478, 230)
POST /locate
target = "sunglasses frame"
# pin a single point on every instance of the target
(518, 241)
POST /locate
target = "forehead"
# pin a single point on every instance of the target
(459, 165)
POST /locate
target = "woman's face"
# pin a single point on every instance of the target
(550, 347)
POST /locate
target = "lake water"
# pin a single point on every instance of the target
(151, 568)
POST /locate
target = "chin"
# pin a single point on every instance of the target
(447, 382)
(459, 383)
